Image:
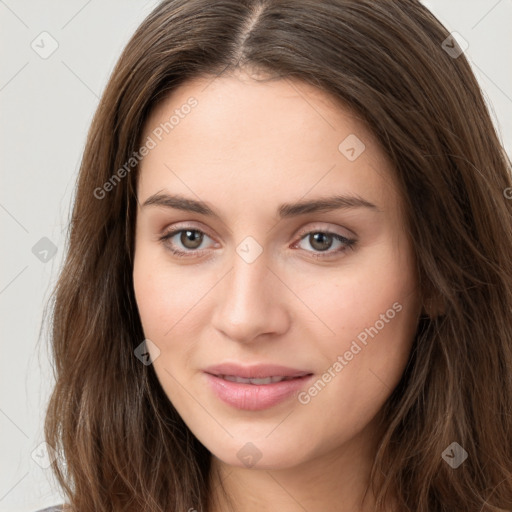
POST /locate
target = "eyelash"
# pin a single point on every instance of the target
(349, 243)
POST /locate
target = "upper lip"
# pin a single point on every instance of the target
(255, 371)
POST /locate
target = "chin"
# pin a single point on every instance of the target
(258, 453)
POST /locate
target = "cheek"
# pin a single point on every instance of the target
(160, 309)
(169, 300)
(150, 283)
(355, 297)
(370, 313)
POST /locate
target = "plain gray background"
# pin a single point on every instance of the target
(47, 104)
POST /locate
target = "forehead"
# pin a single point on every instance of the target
(262, 140)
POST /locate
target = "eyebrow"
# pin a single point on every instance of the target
(285, 210)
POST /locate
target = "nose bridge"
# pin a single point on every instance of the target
(248, 304)
(248, 278)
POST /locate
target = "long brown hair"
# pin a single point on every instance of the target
(122, 445)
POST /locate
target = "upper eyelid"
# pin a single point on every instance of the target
(319, 225)
(334, 231)
(177, 229)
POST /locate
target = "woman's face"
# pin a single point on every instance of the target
(285, 263)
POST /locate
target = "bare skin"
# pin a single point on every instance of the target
(246, 148)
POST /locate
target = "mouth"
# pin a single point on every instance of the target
(255, 372)
(256, 393)
(261, 381)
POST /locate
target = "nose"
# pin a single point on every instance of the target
(251, 301)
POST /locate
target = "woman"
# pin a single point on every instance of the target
(288, 282)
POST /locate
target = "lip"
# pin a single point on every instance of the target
(255, 397)
(256, 371)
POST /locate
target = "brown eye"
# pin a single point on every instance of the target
(325, 244)
(320, 241)
(184, 242)
(191, 238)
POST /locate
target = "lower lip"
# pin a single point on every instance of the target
(252, 397)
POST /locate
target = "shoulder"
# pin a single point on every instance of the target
(55, 508)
